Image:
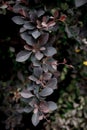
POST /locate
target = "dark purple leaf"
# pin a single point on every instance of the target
(23, 56)
(17, 8)
(44, 107)
(43, 38)
(29, 39)
(26, 94)
(20, 76)
(29, 26)
(33, 102)
(45, 67)
(35, 119)
(79, 3)
(52, 106)
(39, 55)
(18, 20)
(47, 76)
(35, 34)
(20, 110)
(40, 12)
(35, 61)
(28, 109)
(52, 83)
(33, 78)
(46, 92)
(50, 51)
(22, 30)
(38, 71)
(33, 16)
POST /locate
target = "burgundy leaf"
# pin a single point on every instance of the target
(43, 38)
(44, 107)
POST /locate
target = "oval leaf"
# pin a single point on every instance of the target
(28, 109)
(38, 71)
(52, 106)
(29, 26)
(52, 83)
(46, 92)
(43, 38)
(47, 76)
(39, 55)
(40, 12)
(23, 56)
(36, 34)
(26, 94)
(18, 20)
(29, 39)
(35, 119)
(50, 51)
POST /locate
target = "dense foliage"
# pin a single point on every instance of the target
(45, 30)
